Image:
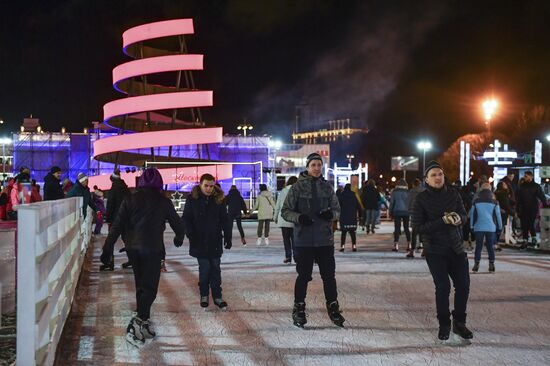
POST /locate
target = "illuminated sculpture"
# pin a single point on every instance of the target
(150, 111)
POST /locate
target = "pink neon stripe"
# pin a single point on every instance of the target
(169, 175)
(157, 30)
(157, 102)
(157, 138)
(157, 64)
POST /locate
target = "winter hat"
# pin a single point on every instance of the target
(402, 183)
(82, 177)
(151, 178)
(116, 173)
(313, 156)
(431, 165)
(55, 169)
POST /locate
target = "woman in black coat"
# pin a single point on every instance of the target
(350, 208)
(235, 205)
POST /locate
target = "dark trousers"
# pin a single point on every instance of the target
(528, 224)
(351, 234)
(414, 239)
(490, 239)
(288, 240)
(504, 224)
(261, 225)
(239, 225)
(146, 267)
(397, 227)
(210, 277)
(305, 257)
(455, 266)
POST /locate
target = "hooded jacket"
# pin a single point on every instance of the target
(278, 208)
(265, 205)
(398, 201)
(370, 198)
(78, 190)
(309, 196)
(427, 220)
(485, 213)
(52, 188)
(349, 209)
(206, 219)
(528, 195)
(235, 203)
(118, 192)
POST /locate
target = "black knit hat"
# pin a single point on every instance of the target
(313, 156)
(432, 164)
(55, 169)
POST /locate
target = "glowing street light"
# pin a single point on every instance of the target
(245, 127)
(424, 146)
(350, 157)
(489, 107)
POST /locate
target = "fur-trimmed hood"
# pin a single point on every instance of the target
(217, 194)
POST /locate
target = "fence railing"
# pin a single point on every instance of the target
(52, 241)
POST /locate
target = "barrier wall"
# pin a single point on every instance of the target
(52, 241)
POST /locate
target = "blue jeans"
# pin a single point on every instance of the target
(370, 218)
(490, 239)
(210, 277)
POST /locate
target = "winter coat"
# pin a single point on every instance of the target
(503, 197)
(349, 209)
(485, 213)
(265, 205)
(35, 194)
(78, 190)
(412, 196)
(527, 196)
(235, 203)
(427, 220)
(279, 205)
(309, 196)
(206, 219)
(142, 218)
(370, 198)
(398, 202)
(52, 188)
(118, 192)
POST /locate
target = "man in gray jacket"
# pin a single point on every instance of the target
(311, 205)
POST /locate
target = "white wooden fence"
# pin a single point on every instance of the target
(52, 241)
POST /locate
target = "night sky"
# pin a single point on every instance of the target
(404, 69)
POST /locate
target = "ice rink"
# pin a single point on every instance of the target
(387, 300)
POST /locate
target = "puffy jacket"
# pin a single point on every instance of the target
(309, 196)
(265, 205)
(398, 202)
(142, 218)
(349, 209)
(118, 192)
(52, 188)
(427, 220)
(485, 213)
(205, 219)
(78, 190)
(235, 203)
(370, 198)
(504, 197)
(279, 205)
(527, 197)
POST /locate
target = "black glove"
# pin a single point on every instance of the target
(227, 244)
(178, 242)
(305, 220)
(326, 214)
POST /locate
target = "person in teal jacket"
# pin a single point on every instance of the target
(486, 223)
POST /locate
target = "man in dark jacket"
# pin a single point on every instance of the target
(118, 192)
(235, 205)
(528, 195)
(142, 216)
(350, 208)
(208, 227)
(52, 185)
(311, 205)
(371, 202)
(438, 215)
(80, 189)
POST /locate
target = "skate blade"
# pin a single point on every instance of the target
(134, 341)
(299, 325)
(454, 341)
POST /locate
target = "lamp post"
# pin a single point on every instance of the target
(245, 127)
(489, 107)
(424, 146)
(350, 157)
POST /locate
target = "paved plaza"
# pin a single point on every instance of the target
(388, 302)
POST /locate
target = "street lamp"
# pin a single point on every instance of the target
(424, 146)
(489, 107)
(245, 127)
(350, 157)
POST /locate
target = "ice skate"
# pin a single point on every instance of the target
(134, 336)
(410, 254)
(341, 248)
(147, 330)
(204, 302)
(287, 260)
(475, 268)
(444, 332)
(259, 241)
(222, 305)
(299, 314)
(492, 267)
(243, 241)
(461, 330)
(107, 267)
(395, 247)
(127, 265)
(266, 241)
(334, 313)
(354, 248)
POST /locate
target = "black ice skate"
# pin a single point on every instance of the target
(461, 330)
(220, 304)
(491, 266)
(134, 335)
(147, 330)
(444, 332)
(475, 268)
(126, 265)
(334, 313)
(204, 301)
(299, 314)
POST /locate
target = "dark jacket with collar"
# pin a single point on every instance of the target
(235, 203)
(78, 190)
(427, 220)
(309, 196)
(52, 188)
(370, 198)
(528, 196)
(349, 208)
(206, 223)
(118, 192)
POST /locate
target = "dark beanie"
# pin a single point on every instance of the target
(150, 178)
(55, 169)
(432, 164)
(313, 156)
